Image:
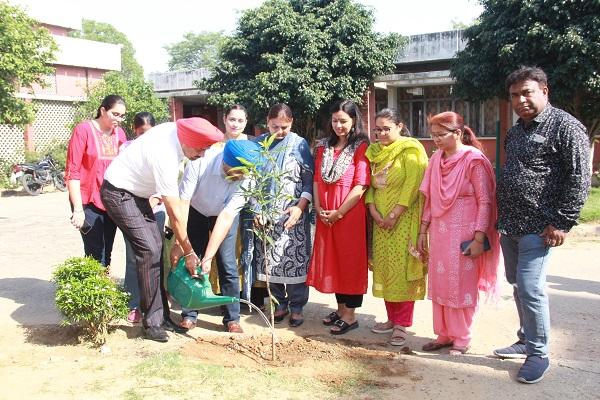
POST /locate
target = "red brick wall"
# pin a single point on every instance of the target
(175, 108)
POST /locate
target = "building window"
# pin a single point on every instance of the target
(416, 103)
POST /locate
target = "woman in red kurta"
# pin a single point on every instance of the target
(342, 175)
(92, 147)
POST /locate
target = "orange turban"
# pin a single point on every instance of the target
(197, 133)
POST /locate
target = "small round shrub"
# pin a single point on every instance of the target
(85, 295)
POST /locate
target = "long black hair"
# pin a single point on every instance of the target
(109, 102)
(357, 132)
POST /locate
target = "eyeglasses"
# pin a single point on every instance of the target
(385, 130)
(440, 135)
(116, 115)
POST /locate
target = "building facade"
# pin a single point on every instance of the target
(79, 65)
(422, 86)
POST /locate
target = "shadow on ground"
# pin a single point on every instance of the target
(13, 193)
(36, 297)
(573, 285)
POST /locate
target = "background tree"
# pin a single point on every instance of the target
(196, 50)
(26, 51)
(138, 95)
(305, 53)
(103, 32)
(560, 36)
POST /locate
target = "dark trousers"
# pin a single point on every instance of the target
(134, 216)
(290, 295)
(198, 229)
(98, 241)
(350, 300)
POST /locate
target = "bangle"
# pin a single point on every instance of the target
(189, 254)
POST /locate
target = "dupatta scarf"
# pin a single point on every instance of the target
(381, 158)
(441, 184)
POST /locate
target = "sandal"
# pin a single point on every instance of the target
(187, 324)
(383, 327)
(435, 345)
(458, 350)
(398, 337)
(344, 327)
(331, 319)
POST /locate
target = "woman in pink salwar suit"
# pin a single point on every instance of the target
(460, 206)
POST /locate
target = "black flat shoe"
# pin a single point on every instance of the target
(279, 318)
(156, 333)
(344, 327)
(294, 323)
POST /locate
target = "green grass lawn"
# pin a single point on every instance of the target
(591, 209)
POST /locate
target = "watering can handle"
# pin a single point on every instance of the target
(181, 265)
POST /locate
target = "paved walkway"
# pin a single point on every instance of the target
(35, 236)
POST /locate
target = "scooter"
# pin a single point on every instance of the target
(34, 176)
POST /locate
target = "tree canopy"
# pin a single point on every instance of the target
(27, 50)
(560, 36)
(138, 95)
(305, 53)
(196, 50)
(103, 32)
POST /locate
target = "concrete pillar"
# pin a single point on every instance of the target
(392, 93)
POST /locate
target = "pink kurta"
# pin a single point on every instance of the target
(460, 200)
(339, 259)
(89, 154)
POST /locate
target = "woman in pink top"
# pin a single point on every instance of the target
(460, 217)
(92, 147)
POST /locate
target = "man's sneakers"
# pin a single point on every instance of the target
(516, 350)
(533, 369)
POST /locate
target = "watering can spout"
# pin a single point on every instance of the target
(193, 293)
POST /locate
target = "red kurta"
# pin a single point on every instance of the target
(89, 154)
(339, 259)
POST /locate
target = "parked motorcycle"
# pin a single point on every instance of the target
(34, 176)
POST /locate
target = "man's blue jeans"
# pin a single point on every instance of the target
(525, 260)
(229, 278)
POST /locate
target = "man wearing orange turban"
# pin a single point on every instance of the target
(150, 165)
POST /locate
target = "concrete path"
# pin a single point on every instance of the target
(35, 235)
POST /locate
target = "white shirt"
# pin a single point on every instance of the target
(204, 183)
(150, 164)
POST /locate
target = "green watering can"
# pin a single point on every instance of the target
(193, 293)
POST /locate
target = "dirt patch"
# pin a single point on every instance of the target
(53, 335)
(316, 356)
